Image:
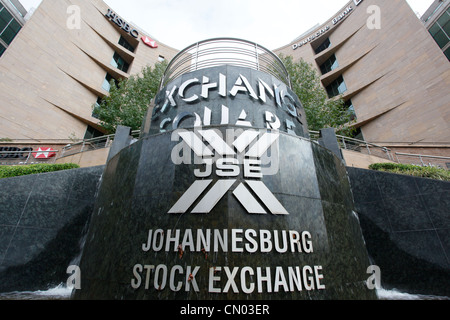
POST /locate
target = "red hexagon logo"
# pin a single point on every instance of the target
(149, 42)
(44, 153)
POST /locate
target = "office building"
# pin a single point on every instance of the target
(377, 55)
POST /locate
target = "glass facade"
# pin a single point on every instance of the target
(92, 133)
(447, 53)
(106, 83)
(96, 106)
(9, 27)
(323, 46)
(329, 65)
(440, 31)
(350, 108)
(124, 43)
(337, 87)
(119, 63)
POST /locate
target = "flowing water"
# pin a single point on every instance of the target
(61, 292)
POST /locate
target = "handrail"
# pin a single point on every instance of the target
(353, 144)
(91, 144)
(20, 155)
(346, 143)
(225, 51)
(420, 156)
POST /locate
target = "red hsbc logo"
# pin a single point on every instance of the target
(150, 42)
(44, 153)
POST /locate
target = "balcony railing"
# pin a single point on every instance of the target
(25, 157)
(346, 143)
(225, 51)
(361, 146)
(423, 160)
(91, 144)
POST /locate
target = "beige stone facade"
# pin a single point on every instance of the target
(397, 78)
(52, 73)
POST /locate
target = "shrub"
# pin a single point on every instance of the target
(15, 171)
(409, 169)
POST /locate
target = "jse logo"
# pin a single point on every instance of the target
(241, 157)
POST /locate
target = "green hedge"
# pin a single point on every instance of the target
(15, 171)
(409, 169)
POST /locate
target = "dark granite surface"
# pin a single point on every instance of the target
(405, 221)
(41, 222)
(141, 184)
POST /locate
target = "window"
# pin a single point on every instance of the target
(434, 11)
(2, 49)
(350, 108)
(440, 30)
(119, 63)
(106, 83)
(161, 58)
(447, 53)
(358, 134)
(96, 106)
(92, 133)
(329, 65)
(323, 46)
(9, 27)
(5, 18)
(337, 87)
(10, 32)
(124, 43)
(444, 21)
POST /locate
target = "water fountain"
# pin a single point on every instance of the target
(224, 196)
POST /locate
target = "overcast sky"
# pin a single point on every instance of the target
(272, 24)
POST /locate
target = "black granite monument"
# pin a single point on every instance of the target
(225, 197)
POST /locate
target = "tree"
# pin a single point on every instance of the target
(128, 101)
(321, 112)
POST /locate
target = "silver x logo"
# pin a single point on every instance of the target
(243, 191)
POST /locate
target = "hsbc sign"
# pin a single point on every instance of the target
(149, 42)
(14, 153)
(44, 153)
(121, 23)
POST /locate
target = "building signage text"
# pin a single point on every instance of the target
(311, 38)
(342, 15)
(224, 279)
(322, 31)
(14, 153)
(195, 90)
(121, 23)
